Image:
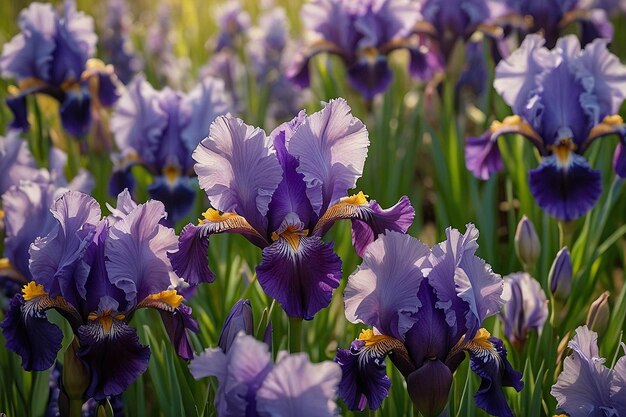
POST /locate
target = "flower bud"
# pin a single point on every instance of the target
(527, 245)
(75, 373)
(239, 319)
(560, 276)
(599, 312)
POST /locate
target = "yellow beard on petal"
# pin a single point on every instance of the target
(33, 290)
(105, 319)
(169, 297)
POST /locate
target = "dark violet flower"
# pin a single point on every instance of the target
(526, 307)
(96, 272)
(563, 99)
(586, 387)
(362, 34)
(53, 55)
(116, 44)
(239, 320)
(159, 130)
(283, 192)
(550, 17)
(426, 307)
(251, 385)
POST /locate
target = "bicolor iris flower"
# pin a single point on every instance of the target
(362, 34)
(526, 307)
(159, 130)
(52, 55)
(283, 193)
(251, 385)
(562, 99)
(586, 387)
(426, 307)
(96, 272)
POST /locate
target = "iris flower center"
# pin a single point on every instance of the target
(105, 319)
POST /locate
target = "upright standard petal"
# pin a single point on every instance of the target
(331, 146)
(568, 193)
(382, 292)
(300, 274)
(296, 387)
(136, 251)
(238, 169)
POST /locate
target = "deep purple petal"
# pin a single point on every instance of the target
(374, 221)
(114, 359)
(363, 383)
(56, 259)
(238, 169)
(191, 260)
(370, 78)
(17, 105)
(295, 386)
(136, 250)
(177, 197)
(496, 372)
(619, 159)
(429, 387)
(29, 334)
(75, 112)
(331, 146)
(596, 25)
(301, 279)
(475, 73)
(177, 322)
(565, 194)
(482, 155)
(382, 292)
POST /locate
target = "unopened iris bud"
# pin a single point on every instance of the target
(75, 373)
(599, 312)
(527, 245)
(239, 319)
(560, 277)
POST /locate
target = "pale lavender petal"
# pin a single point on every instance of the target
(382, 292)
(124, 206)
(296, 387)
(238, 169)
(136, 252)
(16, 162)
(331, 146)
(618, 385)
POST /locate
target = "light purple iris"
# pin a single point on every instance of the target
(526, 307)
(563, 99)
(97, 272)
(586, 387)
(251, 385)
(283, 193)
(52, 55)
(551, 16)
(426, 307)
(362, 34)
(116, 43)
(233, 22)
(159, 130)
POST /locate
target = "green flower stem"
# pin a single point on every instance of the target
(76, 408)
(566, 233)
(295, 334)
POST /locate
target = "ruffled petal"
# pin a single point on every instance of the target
(177, 321)
(331, 146)
(363, 383)
(382, 292)
(114, 358)
(300, 278)
(238, 169)
(618, 385)
(568, 193)
(136, 250)
(297, 387)
(29, 334)
(190, 261)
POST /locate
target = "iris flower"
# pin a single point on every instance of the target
(586, 387)
(362, 34)
(426, 307)
(53, 55)
(251, 385)
(563, 99)
(96, 272)
(159, 130)
(283, 193)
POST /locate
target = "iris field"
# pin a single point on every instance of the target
(420, 202)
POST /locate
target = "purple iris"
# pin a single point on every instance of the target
(551, 16)
(426, 307)
(52, 56)
(526, 307)
(563, 99)
(362, 34)
(586, 387)
(233, 21)
(116, 42)
(251, 385)
(283, 193)
(96, 272)
(159, 130)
